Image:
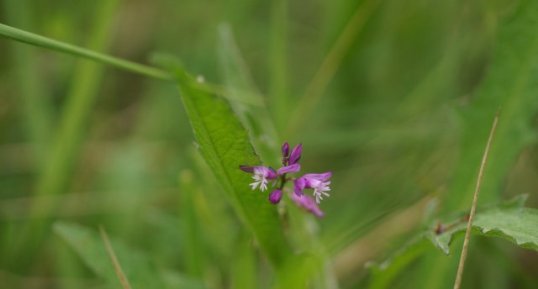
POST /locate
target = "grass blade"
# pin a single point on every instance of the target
(41, 41)
(117, 267)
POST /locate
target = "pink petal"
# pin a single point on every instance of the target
(289, 169)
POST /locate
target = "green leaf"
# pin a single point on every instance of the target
(224, 144)
(247, 102)
(508, 220)
(518, 225)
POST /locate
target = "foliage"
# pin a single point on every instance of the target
(225, 145)
(394, 97)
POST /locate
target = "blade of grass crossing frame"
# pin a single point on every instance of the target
(90, 53)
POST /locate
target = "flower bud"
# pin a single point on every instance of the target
(285, 150)
(275, 196)
(295, 155)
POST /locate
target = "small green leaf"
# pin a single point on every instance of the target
(225, 145)
(518, 225)
(508, 220)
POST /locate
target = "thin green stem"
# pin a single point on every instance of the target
(41, 41)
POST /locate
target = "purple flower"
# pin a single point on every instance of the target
(275, 196)
(319, 182)
(261, 176)
(295, 155)
(308, 204)
(290, 164)
(289, 169)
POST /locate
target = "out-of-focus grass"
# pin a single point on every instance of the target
(387, 123)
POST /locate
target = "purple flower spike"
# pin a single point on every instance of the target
(289, 169)
(261, 176)
(319, 182)
(275, 196)
(308, 204)
(295, 155)
(264, 176)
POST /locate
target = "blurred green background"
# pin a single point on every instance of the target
(382, 93)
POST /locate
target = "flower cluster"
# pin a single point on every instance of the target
(264, 176)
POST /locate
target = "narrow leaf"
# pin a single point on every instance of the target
(224, 144)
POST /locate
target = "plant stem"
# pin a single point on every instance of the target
(41, 41)
(117, 267)
(463, 256)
